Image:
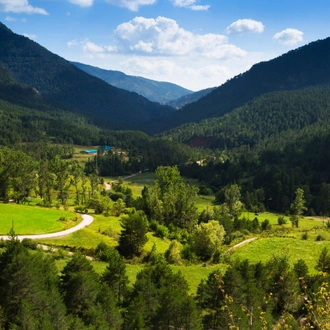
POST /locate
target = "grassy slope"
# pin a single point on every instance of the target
(33, 220)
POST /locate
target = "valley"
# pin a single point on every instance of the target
(212, 212)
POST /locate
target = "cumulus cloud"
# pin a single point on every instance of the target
(245, 26)
(143, 66)
(195, 77)
(289, 37)
(163, 36)
(82, 3)
(91, 48)
(191, 4)
(20, 7)
(132, 5)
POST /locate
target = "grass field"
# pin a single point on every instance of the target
(263, 249)
(103, 229)
(34, 220)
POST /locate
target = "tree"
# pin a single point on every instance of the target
(207, 239)
(133, 235)
(323, 263)
(29, 290)
(115, 274)
(297, 207)
(325, 198)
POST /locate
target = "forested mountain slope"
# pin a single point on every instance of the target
(156, 91)
(56, 78)
(189, 98)
(267, 116)
(303, 67)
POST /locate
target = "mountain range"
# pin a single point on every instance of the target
(156, 91)
(306, 66)
(55, 78)
(33, 77)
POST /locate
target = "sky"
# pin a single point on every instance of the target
(193, 43)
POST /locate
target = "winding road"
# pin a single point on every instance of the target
(87, 220)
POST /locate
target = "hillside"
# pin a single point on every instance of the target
(156, 91)
(56, 78)
(303, 67)
(265, 117)
(189, 98)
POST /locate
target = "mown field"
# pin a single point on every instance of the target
(34, 220)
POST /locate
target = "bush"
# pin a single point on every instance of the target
(29, 243)
(162, 231)
(103, 251)
(319, 237)
(205, 191)
(81, 209)
(304, 236)
(265, 225)
(172, 254)
(281, 220)
(153, 225)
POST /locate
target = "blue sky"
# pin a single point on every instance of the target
(193, 43)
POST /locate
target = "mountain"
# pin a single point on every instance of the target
(189, 98)
(303, 67)
(269, 118)
(55, 78)
(155, 91)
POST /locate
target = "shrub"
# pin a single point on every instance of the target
(153, 225)
(265, 225)
(29, 243)
(172, 254)
(319, 237)
(162, 231)
(304, 236)
(188, 253)
(281, 220)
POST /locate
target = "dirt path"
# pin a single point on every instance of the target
(87, 220)
(242, 243)
(107, 185)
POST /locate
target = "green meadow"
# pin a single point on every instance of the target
(31, 220)
(281, 240)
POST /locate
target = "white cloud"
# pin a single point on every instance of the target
(82, 3)
(185, 73)
(183, 3)
(191, 4)
(10, 19)
(199, 8)
(30, 36)
(245, 26)
(289, 37)
(143, 66)
(20, 7)
(91, 48)
(132, 5)
(163, 36)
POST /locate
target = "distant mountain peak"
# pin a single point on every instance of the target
(156, 91)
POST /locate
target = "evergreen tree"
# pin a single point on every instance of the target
(133, 235)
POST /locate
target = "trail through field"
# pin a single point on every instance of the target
(87, 220)
(107, 185)
(242, 243)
